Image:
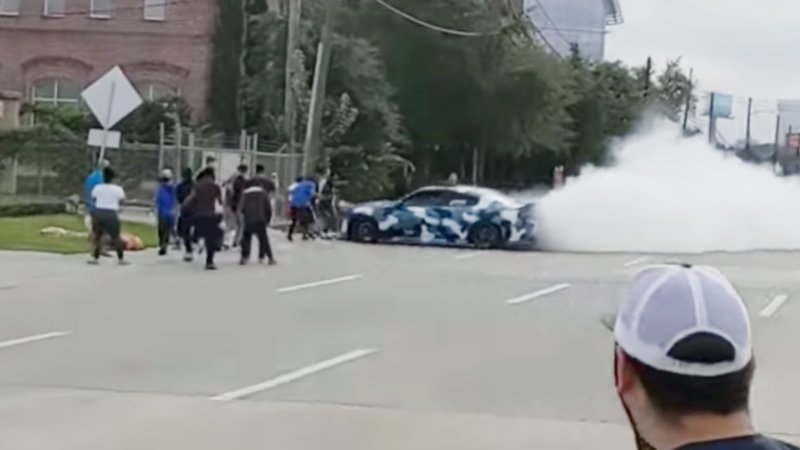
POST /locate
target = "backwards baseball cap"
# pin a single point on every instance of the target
(685, 320)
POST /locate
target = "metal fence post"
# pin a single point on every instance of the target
(161, 132)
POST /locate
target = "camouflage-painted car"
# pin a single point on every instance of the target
(457, 215)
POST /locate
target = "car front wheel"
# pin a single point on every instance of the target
(485, 235)
(363, 230)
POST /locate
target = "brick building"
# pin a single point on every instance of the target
(51, 49)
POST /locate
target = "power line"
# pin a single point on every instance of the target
(438, 28)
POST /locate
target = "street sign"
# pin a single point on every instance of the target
(112, 138)
(111, 97)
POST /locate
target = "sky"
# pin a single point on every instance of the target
(739, 47)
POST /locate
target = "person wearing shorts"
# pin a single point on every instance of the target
(107, 198)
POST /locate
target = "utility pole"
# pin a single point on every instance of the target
(313, 142)
(648, 73)
(712, 122)
(777, 133)
(749, 117)
(689, 90)
(290, 116)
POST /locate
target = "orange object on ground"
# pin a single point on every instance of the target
(131, 243)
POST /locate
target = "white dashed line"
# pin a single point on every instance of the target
(31, 339)
(470, 255)
(637, 261)
(294, 375)
(318, 284)
(537, 294)
(774, 305)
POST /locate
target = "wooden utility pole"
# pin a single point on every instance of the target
(313, 142)
(289, 111)
(749, 117)
(712, 121)
(648, 74)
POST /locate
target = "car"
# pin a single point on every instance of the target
(444, 215)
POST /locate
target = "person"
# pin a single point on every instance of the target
(210, 163)
(234, 189)
(95, 178)
(326, 206)
(267, 184)
(204, 206)
(166, 202)
(256, 212)
(452, 180)
(184, 227)
(106, 200)
(684, 362)
(301, 195)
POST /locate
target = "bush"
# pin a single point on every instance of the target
(31, 209)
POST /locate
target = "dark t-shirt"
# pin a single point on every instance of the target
(206, 195)
(757, 442)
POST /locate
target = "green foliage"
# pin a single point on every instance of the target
(143, 124)
(31, 209)
(674, 86)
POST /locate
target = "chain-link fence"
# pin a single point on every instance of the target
(58, 170)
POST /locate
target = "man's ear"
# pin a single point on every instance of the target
(624, 375)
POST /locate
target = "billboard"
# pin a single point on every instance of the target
(722, 106)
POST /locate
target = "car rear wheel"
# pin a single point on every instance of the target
(363, 230)
(485, 235)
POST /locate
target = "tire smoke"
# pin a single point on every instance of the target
(668, 194)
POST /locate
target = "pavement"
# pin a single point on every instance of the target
(345, 346)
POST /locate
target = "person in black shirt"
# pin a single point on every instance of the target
(184, 227)
(684, 362)
(204, 203)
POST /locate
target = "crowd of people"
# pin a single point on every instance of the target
(203, 215)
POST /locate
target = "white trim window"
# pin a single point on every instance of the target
(56, 92)
(155, 10)
(152, 92)
(9, 7)
(55, 8)
(101, 9)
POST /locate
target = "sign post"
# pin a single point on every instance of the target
(110, 98)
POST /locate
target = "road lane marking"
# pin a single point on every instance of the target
(31, 339)
(318, 283)
(537, 294)
(774, 305)
(637, 261)
(294, 375)
(470, 255)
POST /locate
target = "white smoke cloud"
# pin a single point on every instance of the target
(669, 194)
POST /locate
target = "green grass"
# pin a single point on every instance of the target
(23, 233)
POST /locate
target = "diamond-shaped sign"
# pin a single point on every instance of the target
(111, 97)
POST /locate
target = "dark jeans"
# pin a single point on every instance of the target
(206, 227)
(106, 222)
(166, 227)
(302, 216)
(259, 229)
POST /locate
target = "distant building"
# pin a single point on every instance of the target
(51, 49)
(574, 24)
(789, 111)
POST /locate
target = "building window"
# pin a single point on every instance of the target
(54, 8)
(101, 9)
(156, 91)
(155, 10)
(9, 7)
(56, 92)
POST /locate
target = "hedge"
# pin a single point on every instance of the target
(31, 209)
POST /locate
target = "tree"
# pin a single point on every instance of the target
(225, 78)
(674, 87)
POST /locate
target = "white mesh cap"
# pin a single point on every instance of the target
(687, 320)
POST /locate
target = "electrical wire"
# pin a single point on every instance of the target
(430, 26)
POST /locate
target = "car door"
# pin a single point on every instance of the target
(416, 216)
(456, 216)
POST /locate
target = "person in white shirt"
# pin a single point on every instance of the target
(107, 198)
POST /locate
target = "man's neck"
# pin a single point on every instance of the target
(702, 428)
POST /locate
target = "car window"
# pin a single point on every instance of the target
(428, 197)
(457, 199)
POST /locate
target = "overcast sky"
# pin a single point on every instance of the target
(741, 47)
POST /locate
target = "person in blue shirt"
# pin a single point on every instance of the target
(301, 194)
(166, 205)
(94, 178)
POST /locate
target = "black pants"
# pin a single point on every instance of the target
(105, 222)
(166, 227)
(259, 229)
(206, 227)
(302, 216)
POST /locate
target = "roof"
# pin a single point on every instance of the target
(613, 12)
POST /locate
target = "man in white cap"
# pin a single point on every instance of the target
(166, 207)
(684, 362)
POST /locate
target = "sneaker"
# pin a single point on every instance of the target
(162, 252)
(261, 260)
(188, 257)
(123, 262)
(290, 238)
(272, 262)
(211, 267)
(93, 262)
(243, 262)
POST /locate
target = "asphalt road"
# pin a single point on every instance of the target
(346, 346)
